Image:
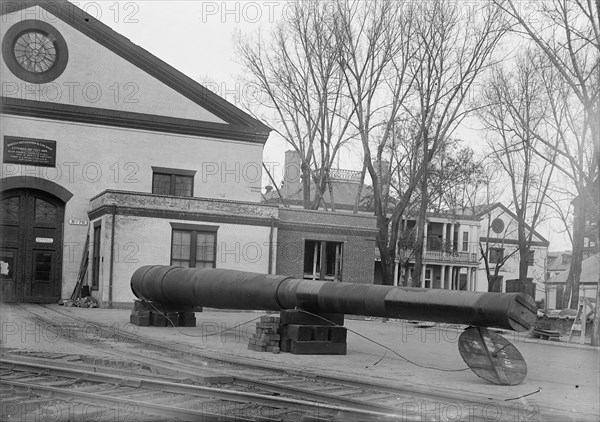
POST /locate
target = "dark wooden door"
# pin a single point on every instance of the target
(31, 222)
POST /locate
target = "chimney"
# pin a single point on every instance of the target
(292, 174)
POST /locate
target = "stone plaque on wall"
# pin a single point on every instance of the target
(37, 152)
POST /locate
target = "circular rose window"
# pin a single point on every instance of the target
(497, 225)
(35, 51)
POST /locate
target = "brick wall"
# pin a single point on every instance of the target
(357, 233)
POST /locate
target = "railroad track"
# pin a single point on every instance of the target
(48, 384)
(334, 395)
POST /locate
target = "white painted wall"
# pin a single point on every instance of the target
(91, 159)
(97, 77)
(147, 241)
(510, 270)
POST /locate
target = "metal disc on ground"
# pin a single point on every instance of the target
(491, 356)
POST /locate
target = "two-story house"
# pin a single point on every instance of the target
(499, 240)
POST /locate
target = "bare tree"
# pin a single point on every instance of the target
(513, 110)
(298, 76)
(456, 46)
(568, 32)
(417, 62)
(454, 178)
(375, 46)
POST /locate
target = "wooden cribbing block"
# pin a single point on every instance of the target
(338, 334)
(321, 333)
(317, 347)
(298, 332)
(146, 305)
(187, 319)
(157, 319)
(172, 319)
(293, 316)
(286, 345)
(139, 320)
(146, 313)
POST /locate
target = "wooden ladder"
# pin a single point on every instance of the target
(581, 318)
(83, 266)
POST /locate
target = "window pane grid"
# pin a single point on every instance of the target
(191, 248)
(45, 212)
(183, 186)
(9, 209)
(42, 266)
(161, 184)
(205, 248)
(170, 184)
(180, 248)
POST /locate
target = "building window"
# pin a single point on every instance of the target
(35, 51)
(175, 182)
(530, 257)
(193, 246)
(323, 260)
(427, 278)
(496, 255)
(465, 242)
(10, 208)
(497, 225)
(45, 212)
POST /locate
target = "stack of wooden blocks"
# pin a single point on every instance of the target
(267, 335)
(306, 334)
(146, 313)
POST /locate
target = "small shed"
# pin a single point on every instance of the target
(588, 282)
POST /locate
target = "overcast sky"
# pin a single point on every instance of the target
(196, 37)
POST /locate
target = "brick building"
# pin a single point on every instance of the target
(326, 246)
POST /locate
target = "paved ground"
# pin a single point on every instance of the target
(564, 377)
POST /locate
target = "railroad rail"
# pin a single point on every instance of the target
(145, 396)
(236, 373)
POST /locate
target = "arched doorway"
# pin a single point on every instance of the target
(31, 245)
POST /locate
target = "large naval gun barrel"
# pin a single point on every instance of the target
(230, 289)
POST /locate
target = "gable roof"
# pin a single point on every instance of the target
(484, 210)
(590, 268)
(237, 119)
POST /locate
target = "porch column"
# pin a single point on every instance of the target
(444, 226)
(443, 277)
(455, 278)
(425, 239)
(471, 285)
(395, 273)
(423, 275)
(451, 237)
(472, 241)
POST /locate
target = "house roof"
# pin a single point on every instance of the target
(590, 272)
(237, 120)
(556, 260)
(482, 210)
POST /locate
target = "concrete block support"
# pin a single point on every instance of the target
(267, 337)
